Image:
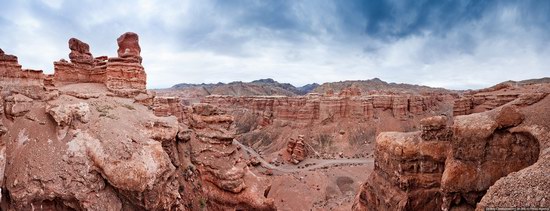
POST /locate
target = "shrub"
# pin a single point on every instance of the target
(324, 140)
(362, 135)
(245, 121)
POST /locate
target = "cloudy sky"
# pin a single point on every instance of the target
(451, 44)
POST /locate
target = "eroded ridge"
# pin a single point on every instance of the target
(475, 163)
(90, 137)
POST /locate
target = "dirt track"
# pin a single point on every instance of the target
(308, 164)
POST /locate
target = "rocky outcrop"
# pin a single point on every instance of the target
(123, 75)
(80, 52)
(168, 106)
(82, 68)
(435, 128)
(17, 105)
(522, 94)
(15, 79)
(128, 46)
(228, 182)
(78, 145)
(316, 108)
(483, 150)
(465, 166)
(296, 150)
(407, 170)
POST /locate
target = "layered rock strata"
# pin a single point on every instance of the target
(487, 99)
(407, 170)
(484, 149)
(124, 75)
(480, 150)
(315, 108)
(78, 146)
(15, 79)
(229, 184)
(297, 150)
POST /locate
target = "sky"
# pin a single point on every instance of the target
(440, 43)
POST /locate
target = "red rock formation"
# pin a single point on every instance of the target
(128, 46)
(490, 98)
(297, 150)
(464, 161)
(17, 105)
(321, 108)
(435, 128)
(123, 75)
(351, 91)
(168, 106)
(482, 151)
(14, 79)
(74, 146)
(80, 52)
(228, 182)
(407, 171)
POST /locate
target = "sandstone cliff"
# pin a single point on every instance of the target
(317, 108)
(479, 165)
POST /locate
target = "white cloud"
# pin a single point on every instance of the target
(196, 42)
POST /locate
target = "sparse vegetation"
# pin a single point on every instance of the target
(261, 138)
(202, 203)
(245, 121)
(362, 136)
(129, 107)
(104, 111)
(324, 140)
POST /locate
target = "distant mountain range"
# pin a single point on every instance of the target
(255, 88)
(376, 85)
(270, 87)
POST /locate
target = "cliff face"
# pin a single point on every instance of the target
(80, 143)
(16, 79)
(468, 165)
(407, 169)
(525, 92)
(315, 108)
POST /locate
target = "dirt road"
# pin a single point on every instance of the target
(308, 164)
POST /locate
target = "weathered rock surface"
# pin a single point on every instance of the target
(80, 52)
(520, 93)
(17, 105)
(123, 75)
(228, 182)
(23, 81)
(80, 144)
(315, 108)
(297, 150)
(483, 151)
(407, 173)
(491, 159)
(128, 46)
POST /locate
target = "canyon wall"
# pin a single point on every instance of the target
(15, 79)
(123, 75)
(466, 166)
(407, 169)
(318, 108)
(76, 140)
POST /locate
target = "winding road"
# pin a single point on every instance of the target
(309, 164)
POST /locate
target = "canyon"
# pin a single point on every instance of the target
(91, 136)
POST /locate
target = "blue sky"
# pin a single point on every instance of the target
(451, 44)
